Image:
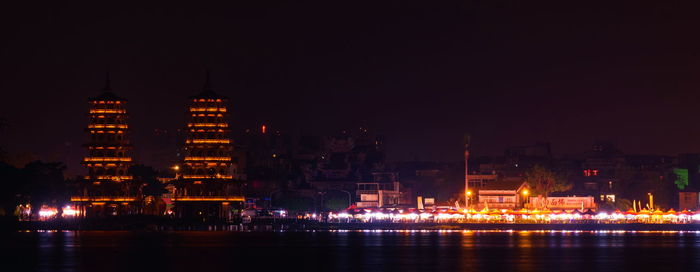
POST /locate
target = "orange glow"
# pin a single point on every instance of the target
(205, 177)
(101, 199)
(207, 158)
(210, 198)
(212, 109)
(106, 111)
(117, 178)
(208, 141)
(207, 125)
(263, 129)
(107, 126)
(104, 159)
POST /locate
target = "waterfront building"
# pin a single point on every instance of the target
(688, 201)
(107, 189)
(503, 194)
(205, 186)
(478, 180)
(343, 162)
(384, 191)
(561, 203)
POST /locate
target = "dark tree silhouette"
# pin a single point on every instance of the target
(545, 181)
(44, 184)
(148, 177)
(12, 188)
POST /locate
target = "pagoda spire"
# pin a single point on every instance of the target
(108, 83)
(207, 80)
(107, 93)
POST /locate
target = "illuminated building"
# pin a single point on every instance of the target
(108, 147)
(384, 191)
(107, 189)
(205, 186)
(503, 194)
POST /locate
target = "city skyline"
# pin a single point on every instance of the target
(560, 74)
(350, 136)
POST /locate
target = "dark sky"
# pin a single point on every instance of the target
(510, 73)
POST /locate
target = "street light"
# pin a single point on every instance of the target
(526, 193)
(176, 168)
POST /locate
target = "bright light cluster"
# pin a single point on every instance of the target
(510, 216)
(47, 213)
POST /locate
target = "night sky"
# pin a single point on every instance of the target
(568, 72)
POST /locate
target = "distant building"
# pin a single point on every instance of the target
(437, 180)
(346, 160)
(689, 201)
(384, 191)
(477, 181)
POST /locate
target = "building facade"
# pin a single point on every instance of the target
(385, 191)
(510, 194)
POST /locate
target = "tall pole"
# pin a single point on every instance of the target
(466, 170)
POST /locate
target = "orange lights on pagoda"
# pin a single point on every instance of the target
(107, 159)
(206, 159)
(209, 141)
(108, 146)
(208, 125)
(214, 109)
(207, 145)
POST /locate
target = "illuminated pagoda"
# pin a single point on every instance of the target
(107, 189)
(206, 187)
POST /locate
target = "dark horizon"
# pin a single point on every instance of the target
(422, 76)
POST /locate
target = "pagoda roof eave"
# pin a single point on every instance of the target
(107, 96)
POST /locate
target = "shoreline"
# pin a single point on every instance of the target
(161, 224)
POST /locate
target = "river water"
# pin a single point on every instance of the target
(351, 251)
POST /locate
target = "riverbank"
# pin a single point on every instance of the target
(506, 226)
(167, 224)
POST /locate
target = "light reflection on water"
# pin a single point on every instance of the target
(364, 250)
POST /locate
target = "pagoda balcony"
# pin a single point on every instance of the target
(207, 158)
(210, 109)
(108, 159)
(107, 111)
(208, 141)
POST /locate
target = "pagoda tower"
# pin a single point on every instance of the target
(206, 186)
(108, 146)
(107, 188)
(207, 146)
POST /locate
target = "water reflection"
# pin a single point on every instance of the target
(410, 250)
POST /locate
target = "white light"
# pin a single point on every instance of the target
(69, 211)
(44, 212)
